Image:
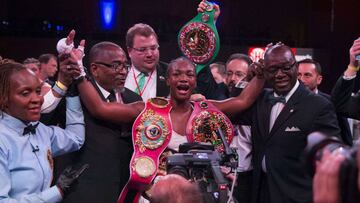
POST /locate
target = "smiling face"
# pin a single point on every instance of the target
(25, 97)
(181, 79)
(280, 68)
(107, 77)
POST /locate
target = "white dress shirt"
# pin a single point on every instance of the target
(275, 111)
(149, 90)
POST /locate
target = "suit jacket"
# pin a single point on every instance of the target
(346, 135)
(304, 113)
(108, 150)
(206, 84)
(345, 104)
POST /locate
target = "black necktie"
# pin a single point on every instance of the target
(111, 96)
(30, 129)
(273, 100)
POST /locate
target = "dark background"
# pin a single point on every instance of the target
(25, 32)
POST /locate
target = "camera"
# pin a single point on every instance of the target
(317, 142)
(200, 163)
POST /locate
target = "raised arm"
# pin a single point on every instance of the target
(115, 112)
(235, 105)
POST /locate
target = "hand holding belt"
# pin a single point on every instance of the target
(151, 134)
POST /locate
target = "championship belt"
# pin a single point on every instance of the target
(151, 134)
(203, 123)
(198, 39)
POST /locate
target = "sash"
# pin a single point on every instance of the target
(203, 123)
(151, 134)
(199, 40)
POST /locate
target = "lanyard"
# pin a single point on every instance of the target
(137, 84)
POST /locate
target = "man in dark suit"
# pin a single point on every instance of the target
(280, 120)
(346, 104)
(107, 147)
(309, 73)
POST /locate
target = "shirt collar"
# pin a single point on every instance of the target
(289, 94)
(316, 91)
(137, 72)
(14, 123)
(103, 91)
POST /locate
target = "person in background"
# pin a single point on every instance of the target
(147, 74)
(309, 73)
(218, 71)
(33, 64)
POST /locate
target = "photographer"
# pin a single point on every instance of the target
(326, 182)
(326, 179)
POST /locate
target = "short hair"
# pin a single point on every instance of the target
(220, 66)
(177, 60)
(6, 71)
(45, 58)
(139, 29)
(239, 56)
(100, 47)
(31, 60)
(175, 188)
(312, 61)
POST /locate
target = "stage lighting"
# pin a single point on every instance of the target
(107, 13)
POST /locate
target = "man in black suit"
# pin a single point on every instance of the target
(309, 73)
(346, 104)
(107, 147)
(280, 120)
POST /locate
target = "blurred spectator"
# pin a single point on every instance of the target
(218, 71)
(33, 64)
(309, 72)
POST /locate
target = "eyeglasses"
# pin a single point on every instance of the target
(237, 74)
(115, 65)
(143, 50)
(284, 69)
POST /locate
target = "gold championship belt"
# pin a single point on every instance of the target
(203, 123)
(151, 134)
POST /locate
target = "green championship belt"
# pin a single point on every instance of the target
(198, 39)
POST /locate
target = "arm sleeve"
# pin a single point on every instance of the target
(326, 121)
(73, 136)
(49, 195)
(207, 86)
(345, 104)
(50, 102)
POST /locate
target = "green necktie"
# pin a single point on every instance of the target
(141, 83)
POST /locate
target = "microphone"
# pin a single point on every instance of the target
(227, 149)
(36, 149)
(229, 154)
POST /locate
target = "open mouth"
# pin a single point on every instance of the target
(183, 89)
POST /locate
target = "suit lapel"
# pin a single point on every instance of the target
(289, 109)
(161, 88)
(264, 114)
